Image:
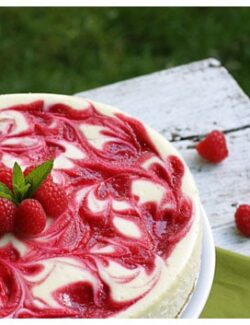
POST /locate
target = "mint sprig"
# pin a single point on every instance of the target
(5, 192)
(38, 175)
(20, 187)
(25, 186)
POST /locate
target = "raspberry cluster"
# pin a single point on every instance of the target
(28, 216)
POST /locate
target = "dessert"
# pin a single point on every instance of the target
(128, 243)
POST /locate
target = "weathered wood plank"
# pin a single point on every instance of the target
(225, 185)
(183, 104)
(183, 101)
(229, 238)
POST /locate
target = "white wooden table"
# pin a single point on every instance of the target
(183, 104)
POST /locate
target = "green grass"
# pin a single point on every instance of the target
(66, 50)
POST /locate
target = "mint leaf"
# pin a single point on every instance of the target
(6, 193)
(19, 185)
(38, 175)
(8, 197)
(4, 189)
(18, 177)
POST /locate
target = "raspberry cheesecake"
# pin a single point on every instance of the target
(119, 234)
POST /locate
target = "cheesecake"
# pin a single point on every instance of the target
(128, 244)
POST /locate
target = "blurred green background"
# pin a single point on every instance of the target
(66, 50)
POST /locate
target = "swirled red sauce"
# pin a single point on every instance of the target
(125, 215)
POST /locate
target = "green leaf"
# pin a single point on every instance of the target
(4, 189)
(18, 177)
(38, 175)
(18, 183)
(6, 193)
(8, 197)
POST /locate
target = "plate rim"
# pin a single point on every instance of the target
(205, 278)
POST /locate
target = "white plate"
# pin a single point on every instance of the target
(206, 275)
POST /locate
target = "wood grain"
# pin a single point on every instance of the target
(184, 104)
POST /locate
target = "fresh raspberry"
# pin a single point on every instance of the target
(242, 219)
(7, 215)
(214, 147)
(6, 176)
(52, 198)
(30, 218)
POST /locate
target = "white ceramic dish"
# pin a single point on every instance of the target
(198, 300)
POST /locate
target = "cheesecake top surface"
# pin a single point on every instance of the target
(131, 203)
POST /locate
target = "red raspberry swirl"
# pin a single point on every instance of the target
(125, 215)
